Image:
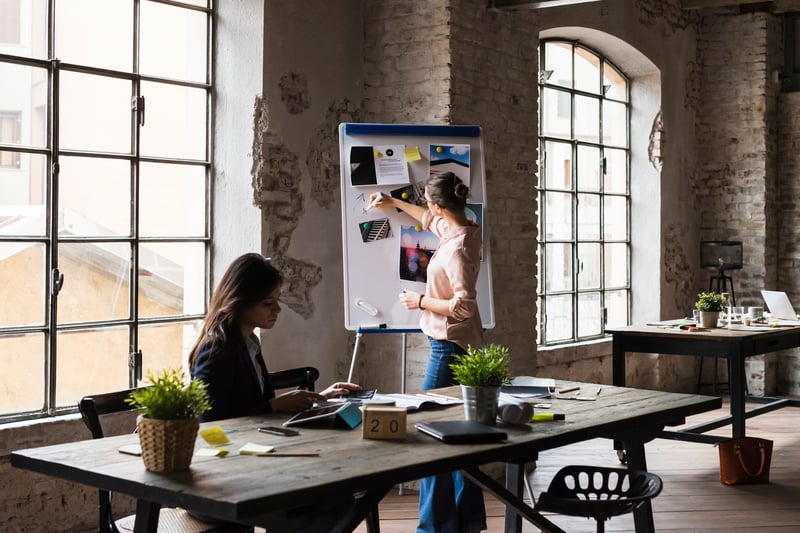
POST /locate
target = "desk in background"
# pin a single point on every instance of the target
(733, 344)
(274, 491)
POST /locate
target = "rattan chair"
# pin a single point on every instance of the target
(598, 492)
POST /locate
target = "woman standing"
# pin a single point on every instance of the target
(227, 354)
(448, 503)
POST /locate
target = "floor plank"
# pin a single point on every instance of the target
(693, 499)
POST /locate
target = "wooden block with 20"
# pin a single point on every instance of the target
(384, 422)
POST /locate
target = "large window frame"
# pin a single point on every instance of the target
(52, 242)
(572, 309)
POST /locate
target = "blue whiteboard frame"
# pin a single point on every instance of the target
(371, 269)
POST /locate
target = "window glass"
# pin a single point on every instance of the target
(616, 303)
(91, 361)
(82, 181)
(22, 271)
(23, 105)
(96, 277)
(587, 71)
(171, 279)
(558, 216)
(173, 200)
(615, 121)
(588, 217)
(23, 354)
(558, 171)
(95, 113)
(558, 64)
(166, 345)
(616, 264)
(95, 33)
(588, 168)
(616, 176)
(22, 196)
(590, 314)
(175, 123)
(589, 266)
(555, 113)
(587, 119)
(185, 58)
(558, 267)
(615, 218)
(559, 317)
(615, 85)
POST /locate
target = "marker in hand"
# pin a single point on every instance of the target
(375, 201)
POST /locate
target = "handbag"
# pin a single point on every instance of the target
(744, 460)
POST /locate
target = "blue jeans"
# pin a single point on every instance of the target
(448, 503)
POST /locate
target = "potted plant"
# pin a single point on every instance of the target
(481, 372)
(710, 304)
(168, 420)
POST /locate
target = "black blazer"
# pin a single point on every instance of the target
(232, 384)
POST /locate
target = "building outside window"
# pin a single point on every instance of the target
(583, 193)
(104, 202)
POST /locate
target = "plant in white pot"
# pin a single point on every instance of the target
(710, 304)
(481, 372)
(168, 420)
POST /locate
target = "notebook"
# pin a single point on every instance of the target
(779, 305)
(461, 431)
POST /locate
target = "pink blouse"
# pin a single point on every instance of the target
(452, 275)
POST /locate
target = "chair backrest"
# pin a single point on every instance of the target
(303, 377)
(91, 407)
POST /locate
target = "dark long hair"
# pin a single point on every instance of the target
(248, 280)
(448, 191)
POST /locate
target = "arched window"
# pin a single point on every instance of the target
(584, 194)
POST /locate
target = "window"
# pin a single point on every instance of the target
(104, 227)
(9, 134)
(10, 21)
(583, 194)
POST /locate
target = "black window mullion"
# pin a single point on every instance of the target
(138, 117)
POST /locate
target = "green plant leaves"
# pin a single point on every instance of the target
(169, 398)
(485, 366)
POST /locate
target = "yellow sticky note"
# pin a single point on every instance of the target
(215, 436)
(412, 153)
(255, 449)
(211, 452)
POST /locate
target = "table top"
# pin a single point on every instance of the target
(721, 334)
(237, 487)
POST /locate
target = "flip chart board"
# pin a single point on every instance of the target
(384, 250)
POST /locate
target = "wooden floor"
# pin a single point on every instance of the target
(693, 499)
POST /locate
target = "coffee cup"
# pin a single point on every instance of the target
(755, 312)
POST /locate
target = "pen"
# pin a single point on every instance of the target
(569, 389)
(599, 390)
(545, 417)
(377, 198)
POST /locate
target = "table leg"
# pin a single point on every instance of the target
(643, 516)
(515, 473)
(146, 516)
(617, 360)
(737, 385)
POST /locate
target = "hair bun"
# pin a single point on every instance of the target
(461, 190)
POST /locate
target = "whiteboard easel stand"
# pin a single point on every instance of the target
(403, 335)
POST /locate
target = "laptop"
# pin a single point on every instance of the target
(779, 305)
(461, 431)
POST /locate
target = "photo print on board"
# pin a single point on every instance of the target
(416, 249)
(450, 158)
(378, 165)
(375, 230)
(413, 194)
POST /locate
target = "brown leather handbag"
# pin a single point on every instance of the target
(744, 460)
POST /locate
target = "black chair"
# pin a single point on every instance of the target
(303, 377)
(598, 492)
(169, 519)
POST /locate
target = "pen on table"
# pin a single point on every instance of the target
(544, 417)
(569, 389)
(377, 199)
(599, 390)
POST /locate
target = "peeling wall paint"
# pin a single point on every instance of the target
(276, 191)
(670, 12)
(294, 92)
(655, 148)
(323, 153)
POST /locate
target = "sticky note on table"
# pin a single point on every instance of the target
(412, 153)
(214, 436)
(255, 449)
(211, 452)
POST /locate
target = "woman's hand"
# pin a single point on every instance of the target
(378, 199)
(410, 299)
(340, 388)
(295, 401)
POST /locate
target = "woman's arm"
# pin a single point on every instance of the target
(380, 199)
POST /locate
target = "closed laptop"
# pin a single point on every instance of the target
(461, 431)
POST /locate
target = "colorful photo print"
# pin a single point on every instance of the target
(413, 194)
(375, 230)
(450, 158)
(416, 250)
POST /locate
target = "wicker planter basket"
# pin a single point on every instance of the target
(167, 445)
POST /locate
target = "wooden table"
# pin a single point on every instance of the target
(275, 491)
(732, 344)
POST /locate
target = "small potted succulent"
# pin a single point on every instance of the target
(710, 304)
(168, 420)
(481, 372)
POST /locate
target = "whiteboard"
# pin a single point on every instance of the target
(372, 159)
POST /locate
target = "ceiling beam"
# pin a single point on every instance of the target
(527, 4)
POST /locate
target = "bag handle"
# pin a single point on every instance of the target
(738, 449)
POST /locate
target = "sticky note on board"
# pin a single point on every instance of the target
(214, 436)
(412, 153)
(255, 449)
